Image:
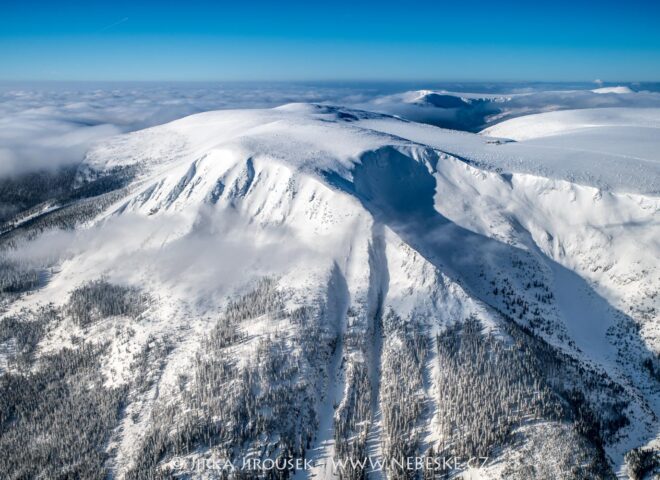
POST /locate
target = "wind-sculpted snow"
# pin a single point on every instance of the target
(336, 285)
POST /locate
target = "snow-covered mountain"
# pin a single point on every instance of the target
(476, 111)
(321, 283)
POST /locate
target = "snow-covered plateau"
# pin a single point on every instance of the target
(330, 284)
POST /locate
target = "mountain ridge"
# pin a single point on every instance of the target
(323, 250)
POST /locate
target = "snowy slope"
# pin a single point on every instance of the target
(302, 263)
(626, 155)
(571, 121)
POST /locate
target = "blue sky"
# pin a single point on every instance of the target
(330, 40)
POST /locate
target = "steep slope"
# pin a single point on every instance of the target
(323, 283)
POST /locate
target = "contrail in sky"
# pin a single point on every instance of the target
(125, 19)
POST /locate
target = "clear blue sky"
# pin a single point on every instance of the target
(330, 40)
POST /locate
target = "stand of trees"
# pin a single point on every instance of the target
(21, 192)
(641, 462)
(100, 299)
(486, 389)
(402, 392)
(265, 405)
(552, 451)
(55, 421)
(20, 334)
(78, 203)
(16, 277)
(353, 417)
(56, 414)
(489, 387)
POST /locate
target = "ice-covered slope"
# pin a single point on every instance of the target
(306, 275)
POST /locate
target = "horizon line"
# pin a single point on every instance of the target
(338, 80)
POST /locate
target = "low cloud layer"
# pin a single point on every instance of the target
(196, 254)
